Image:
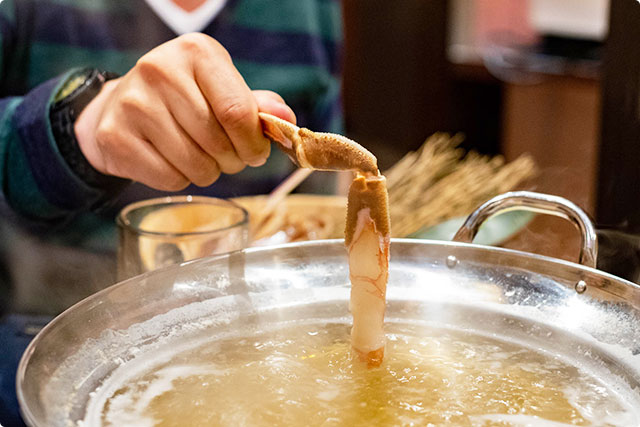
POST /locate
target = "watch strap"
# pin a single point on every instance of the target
(81, 87)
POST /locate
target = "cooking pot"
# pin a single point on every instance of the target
(570, 309)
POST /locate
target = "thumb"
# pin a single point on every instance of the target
(271, 103)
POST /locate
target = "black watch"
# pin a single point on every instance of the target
(80, 88)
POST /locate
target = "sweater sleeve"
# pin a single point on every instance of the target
(36, 182)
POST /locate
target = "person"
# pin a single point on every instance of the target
(160, 123)
(103, 102)
(182, 111)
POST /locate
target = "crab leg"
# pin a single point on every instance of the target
(316, 150)
(367, 229)
(367, 236)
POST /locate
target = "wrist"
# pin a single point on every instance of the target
(80, 90)
(87, 123)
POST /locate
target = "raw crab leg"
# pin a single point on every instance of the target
(316, 150)
(367, 229)
(367, 236)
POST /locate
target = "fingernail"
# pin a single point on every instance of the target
(257, 162)
(291, 115)
(261, 158)
(282, 110)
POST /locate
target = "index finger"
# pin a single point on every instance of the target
(233, 104)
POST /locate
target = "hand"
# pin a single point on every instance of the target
(183, 114)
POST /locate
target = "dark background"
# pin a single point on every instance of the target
(582, 124)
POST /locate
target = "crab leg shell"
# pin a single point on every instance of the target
(367, 233)
(283, 133)
(316, 150)
(367, 237)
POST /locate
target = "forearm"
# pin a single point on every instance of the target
(36, 181)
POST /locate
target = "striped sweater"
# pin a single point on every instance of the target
(289, 46)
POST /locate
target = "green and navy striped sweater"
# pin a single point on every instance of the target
(289, 46)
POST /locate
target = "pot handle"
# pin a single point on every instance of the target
(540, 203)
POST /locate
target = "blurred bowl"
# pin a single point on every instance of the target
(495, 231)
(314, 217)
(301, 217)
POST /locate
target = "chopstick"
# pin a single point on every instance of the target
(277, 196)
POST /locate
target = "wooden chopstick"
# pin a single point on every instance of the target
(277, 196)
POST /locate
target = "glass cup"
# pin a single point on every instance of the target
(159, 232)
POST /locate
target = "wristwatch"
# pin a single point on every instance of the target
(80, 88)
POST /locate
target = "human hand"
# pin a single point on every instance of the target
(183, 114)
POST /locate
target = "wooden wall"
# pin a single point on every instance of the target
(399, 87)
(618, 200)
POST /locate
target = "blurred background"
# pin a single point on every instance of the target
(557, 79)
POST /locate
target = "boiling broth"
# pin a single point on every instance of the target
(304, 374)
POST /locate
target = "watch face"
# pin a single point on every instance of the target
(71, 85)
(186, 16)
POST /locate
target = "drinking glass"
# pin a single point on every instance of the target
(159, 232)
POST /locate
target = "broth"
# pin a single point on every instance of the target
(303, 374)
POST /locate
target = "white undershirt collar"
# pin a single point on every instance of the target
(181, 21)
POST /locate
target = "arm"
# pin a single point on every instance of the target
(182, 114)
(36, 184)
(34, 180)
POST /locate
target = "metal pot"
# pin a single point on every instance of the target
(586, 315)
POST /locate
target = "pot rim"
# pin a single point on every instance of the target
(451, 249)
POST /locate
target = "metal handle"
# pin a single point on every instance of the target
(535, 202)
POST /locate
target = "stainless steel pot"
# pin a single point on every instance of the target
(574, 310)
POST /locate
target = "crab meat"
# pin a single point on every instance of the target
(367, 237)
(316, 150)
(367, 229)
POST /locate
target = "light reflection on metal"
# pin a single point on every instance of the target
(581, 286)
(540, 203)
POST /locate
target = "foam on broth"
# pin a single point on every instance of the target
(302, 373)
